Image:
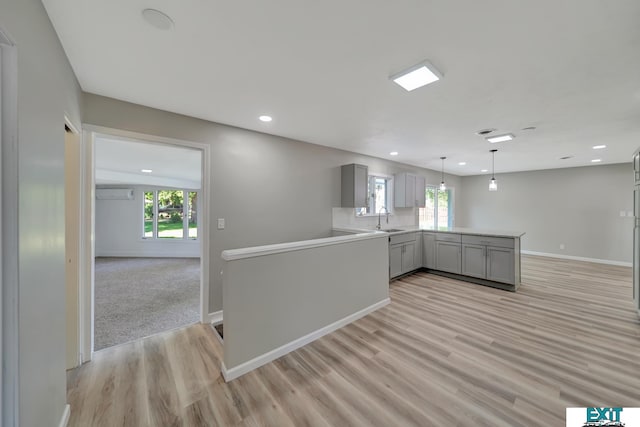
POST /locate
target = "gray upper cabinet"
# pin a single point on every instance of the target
(636, 167)
(355, 186)
(409, 190)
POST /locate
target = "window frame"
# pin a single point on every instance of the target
(370, 208)
(451, 215)
(185, 215)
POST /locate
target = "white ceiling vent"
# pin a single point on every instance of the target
(114, 194)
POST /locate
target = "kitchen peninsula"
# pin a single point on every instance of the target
(485, 257)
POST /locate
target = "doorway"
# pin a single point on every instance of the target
(149, 257)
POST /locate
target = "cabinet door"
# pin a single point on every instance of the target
(429, 250)
(361, 190)
(473, 260)
(408, 257)
(421, 188)
(410, 194)
(417, 260)
(636, 167)
(500, 265)
(448, 257)
(395, 260)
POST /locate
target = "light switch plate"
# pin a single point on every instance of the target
(220, 223)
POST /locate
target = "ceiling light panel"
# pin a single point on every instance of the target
(596, 160)
(265, 119)
(393, 153)
(500, 138)
(599, 147)
(417, 76)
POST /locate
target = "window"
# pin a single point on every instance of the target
(379, 196)
(438, 210)
(167, 216)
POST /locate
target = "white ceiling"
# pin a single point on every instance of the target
(120, 161)
(320, 68)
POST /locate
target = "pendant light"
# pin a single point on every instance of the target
(493, 184)
(443, 186)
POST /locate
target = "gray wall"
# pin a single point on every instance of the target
(47, 89)
(269, 189)
(577, 207)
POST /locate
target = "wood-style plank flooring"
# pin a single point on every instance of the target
(442, 353)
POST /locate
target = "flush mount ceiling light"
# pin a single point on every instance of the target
(462, 163)
(596, 160)
(599, 147)
(443, 186)
(146, 170)
(484, 170)
(500, 138)
(417, 76)
(393, 153)
(565, 157)
(493, 184)
(265, 119)
(157, 19)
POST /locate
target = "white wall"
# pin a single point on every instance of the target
(47, 90)
(269, 189)
(118, 231)
(577, 207)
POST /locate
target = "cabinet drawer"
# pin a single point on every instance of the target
(448, 237)
(501, 242)
(402, 238)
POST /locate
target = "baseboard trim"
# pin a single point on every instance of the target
(250, 365)
(65, 416)
(214, 318)
(579, 258)
(134, 254)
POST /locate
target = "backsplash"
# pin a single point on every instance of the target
(346, 218)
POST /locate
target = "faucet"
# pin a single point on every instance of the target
(379, 213)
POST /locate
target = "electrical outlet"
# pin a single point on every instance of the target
(623, 213)
(220, 223)
(562, 246)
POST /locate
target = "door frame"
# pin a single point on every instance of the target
(9, 255)
(87, 233)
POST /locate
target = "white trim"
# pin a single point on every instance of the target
(214, 318)
(578, 258)
(250, 365)
(65, 416)
(255, 251)
(203, 225)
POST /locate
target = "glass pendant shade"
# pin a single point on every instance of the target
(493, 185)
(443, 187)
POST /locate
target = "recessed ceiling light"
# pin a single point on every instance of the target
(146, 170)
(393, 153)
(500, 138)
(265, 118)
(484, 170)
(462, 163)
(596, 160)
(157, 19)
(599, 147)
(417, 76)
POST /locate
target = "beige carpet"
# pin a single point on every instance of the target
(138, 297)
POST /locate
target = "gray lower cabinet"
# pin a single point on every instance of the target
(474, 261)
(448, 257)
(500, 265)
(429, 250)
(402, 254)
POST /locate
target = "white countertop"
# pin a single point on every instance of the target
(456, 230)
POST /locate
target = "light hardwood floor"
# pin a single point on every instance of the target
(442, 353)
